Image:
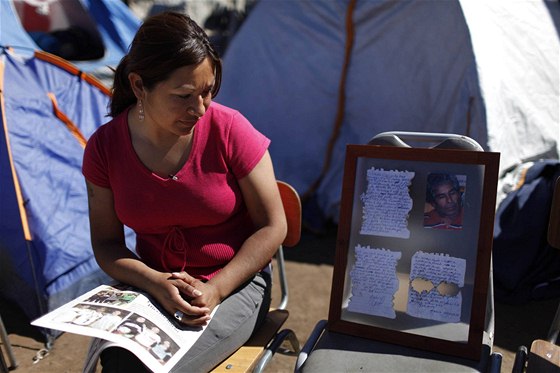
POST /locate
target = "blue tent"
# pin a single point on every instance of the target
(110, 20)
(48, 109)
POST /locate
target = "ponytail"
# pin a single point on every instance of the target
(123, 96)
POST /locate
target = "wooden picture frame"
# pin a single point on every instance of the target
(407, 274)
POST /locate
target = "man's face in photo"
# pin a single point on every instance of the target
(447, 200)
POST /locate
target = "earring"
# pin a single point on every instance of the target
(141, 115)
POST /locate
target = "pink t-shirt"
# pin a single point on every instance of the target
(197, 222)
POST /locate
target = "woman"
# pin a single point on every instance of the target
(195, 181)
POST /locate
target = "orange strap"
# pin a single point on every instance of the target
(63, 64)
(341, 99)
(69, 124)
(72, 69)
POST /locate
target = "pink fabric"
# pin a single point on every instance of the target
(197, 222)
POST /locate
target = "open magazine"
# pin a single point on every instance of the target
(123, 316)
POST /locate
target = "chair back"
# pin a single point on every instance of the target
(436, 140)
(292, 208)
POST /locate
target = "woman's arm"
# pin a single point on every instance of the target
(112, 255)
(263, 202)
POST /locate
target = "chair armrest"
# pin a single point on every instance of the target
(310, 344)
(274, 346)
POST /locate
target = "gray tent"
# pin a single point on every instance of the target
(317, 75)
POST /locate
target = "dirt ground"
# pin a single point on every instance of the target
(309, 268)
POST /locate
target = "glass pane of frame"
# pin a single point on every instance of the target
(414, 247)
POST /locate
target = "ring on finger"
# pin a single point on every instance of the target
(178, 315)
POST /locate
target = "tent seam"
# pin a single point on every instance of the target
(349, 25)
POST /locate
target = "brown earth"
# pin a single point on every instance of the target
(309, 268)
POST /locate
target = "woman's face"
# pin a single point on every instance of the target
(176, 104)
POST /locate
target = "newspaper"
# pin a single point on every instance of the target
(123, 316)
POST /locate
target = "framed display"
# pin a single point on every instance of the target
(414, 246)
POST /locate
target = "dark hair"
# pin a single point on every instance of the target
(163, 43)
(435, 180)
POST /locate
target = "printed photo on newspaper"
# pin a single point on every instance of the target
(126, 317)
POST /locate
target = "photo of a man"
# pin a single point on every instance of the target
(444, 201)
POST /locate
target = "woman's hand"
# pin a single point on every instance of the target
(177, 294)
(200, 294)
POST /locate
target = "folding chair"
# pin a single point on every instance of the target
(327, 350)
(267, 340)
(544, 355)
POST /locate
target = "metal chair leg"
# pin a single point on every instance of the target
(8, 346)
(3, 366)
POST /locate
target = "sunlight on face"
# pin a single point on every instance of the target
(176, 104)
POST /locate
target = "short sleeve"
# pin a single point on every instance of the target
(246, 146)
(94, 166)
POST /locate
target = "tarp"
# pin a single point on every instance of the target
(47, 113)
(317, 75)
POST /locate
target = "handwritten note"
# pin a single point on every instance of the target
(374, 281)
(386, 203)
(435, 287)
